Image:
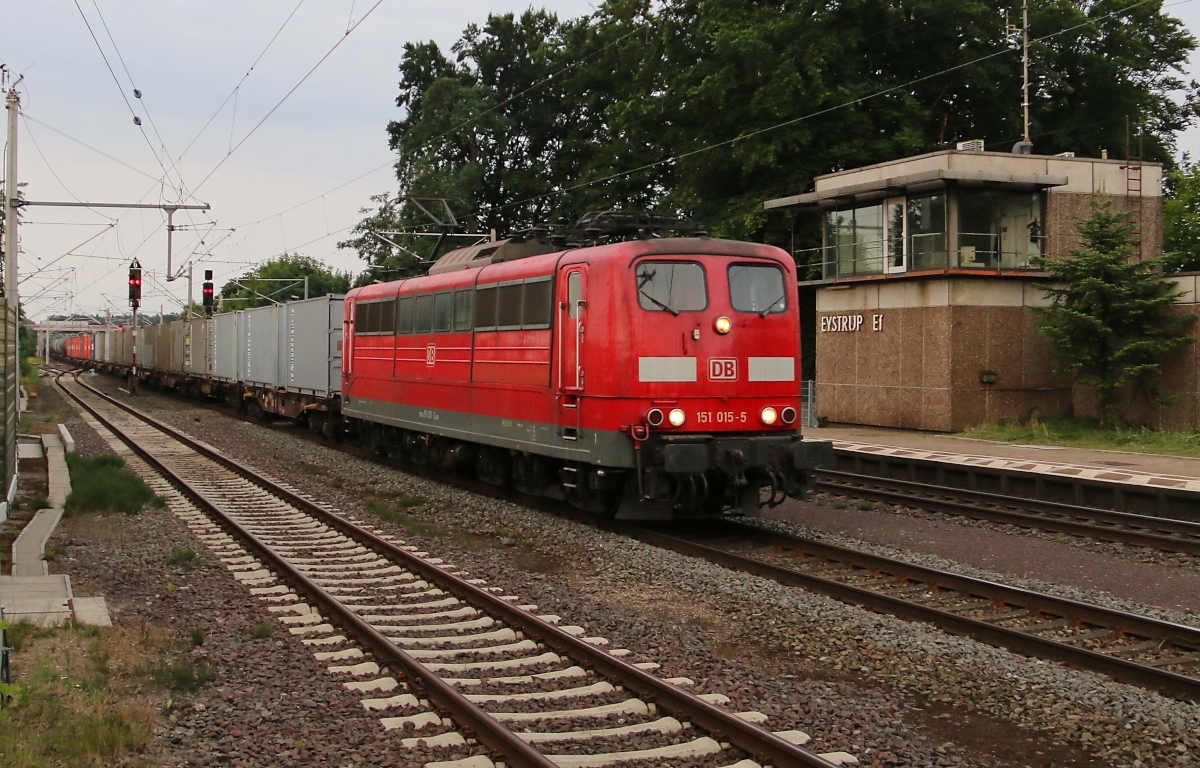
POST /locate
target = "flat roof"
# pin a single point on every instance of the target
(913, 183)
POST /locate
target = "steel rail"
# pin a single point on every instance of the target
(469, 716)
(720, 723)
(1121, 527)
(1166, 682)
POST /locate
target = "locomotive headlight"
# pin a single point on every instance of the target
(722, 325)
(769, 416)
(676, 417)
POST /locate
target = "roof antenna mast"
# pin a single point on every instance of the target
(1025, 145)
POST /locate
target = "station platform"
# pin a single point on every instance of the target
(32, 593)
(1134, 482)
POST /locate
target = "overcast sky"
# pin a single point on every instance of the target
(296, 183)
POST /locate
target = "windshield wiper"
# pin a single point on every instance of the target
(660, 304)
(771, 306)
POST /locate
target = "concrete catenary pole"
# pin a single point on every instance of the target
(11, 239)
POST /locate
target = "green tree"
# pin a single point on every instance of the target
(282, 279)
(1107, 321)
(708, 107)
(1181, 219)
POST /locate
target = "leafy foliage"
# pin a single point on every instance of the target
(709, 107)
(1181, 219)
(1107, 322)
(281, 279)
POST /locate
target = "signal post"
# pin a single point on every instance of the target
(135, 300)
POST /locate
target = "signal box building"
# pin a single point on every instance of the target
(928, 276)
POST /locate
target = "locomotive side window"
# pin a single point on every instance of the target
(404, 315)
(424, 316)
(462, 310)
(508, 306)
(387, 317)
(485, 307)
(539, 303)
(574, 294)
(671, 286)
(443, 311)
(757, 288)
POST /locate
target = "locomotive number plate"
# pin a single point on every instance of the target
(721, 417)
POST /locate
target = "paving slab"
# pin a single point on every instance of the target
(41, 600)
(30, 451)
(67, 441)
(91, 610)
(30, 545)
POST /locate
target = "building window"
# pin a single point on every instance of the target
(999, 230)
(926, 222)
(854, 241)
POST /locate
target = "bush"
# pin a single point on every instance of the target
(102, 484)
(184, 558)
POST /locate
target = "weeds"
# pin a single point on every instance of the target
(1085, 433)
(101, 483)
(37, 502)
(197, 636)
(184, 558)
(262, 630)
(182, 675)
(63, 712)
(866, 506)
(386, 513)
(50, 554)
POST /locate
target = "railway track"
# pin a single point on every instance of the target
(456, 665)
(1166, 534)
(1147, 652)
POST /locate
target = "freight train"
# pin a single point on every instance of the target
(651, 379)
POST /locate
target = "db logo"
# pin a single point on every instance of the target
(722, 369)
(430, 354)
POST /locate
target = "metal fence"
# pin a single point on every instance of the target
(5, 675)
(808, 403)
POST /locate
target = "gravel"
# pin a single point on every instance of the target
(888, 691)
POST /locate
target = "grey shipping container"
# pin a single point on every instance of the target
(198, 347)
(225, 346)
(311, 345)
(260, 340)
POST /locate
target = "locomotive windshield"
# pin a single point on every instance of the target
(671, 286)
(757, 288)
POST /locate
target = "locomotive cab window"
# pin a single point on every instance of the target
(757, 288)
(671, 286)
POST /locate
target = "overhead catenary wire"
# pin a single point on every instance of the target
(294, 88)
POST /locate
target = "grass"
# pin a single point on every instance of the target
(182, 675)
(71, 706)
(197, 636)
(262, 630)
(37, 502)
(1084, 433)
(866, 506)
(388, 513)
(102, 484)
(184, 558)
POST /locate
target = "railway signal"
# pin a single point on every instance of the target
(135, 284)
(207, 290)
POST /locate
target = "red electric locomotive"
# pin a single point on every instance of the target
(658, 377)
